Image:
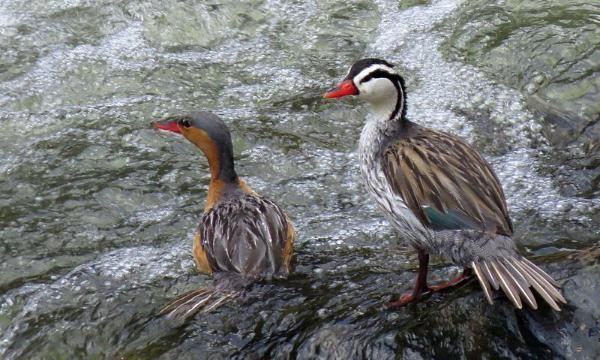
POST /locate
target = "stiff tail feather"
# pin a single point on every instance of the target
(203, 299)
(516, 276)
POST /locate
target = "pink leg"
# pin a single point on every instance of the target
(420, 284)
(466, 275)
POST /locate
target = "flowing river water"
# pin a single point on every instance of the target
(97, 209)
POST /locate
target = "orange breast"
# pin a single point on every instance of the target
(200, 256)
(288, 250)
(215, 191)
(245, 188)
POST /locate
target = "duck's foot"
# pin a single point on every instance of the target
(421, 288)
(466, 275)
(420, 284)
(404, 299)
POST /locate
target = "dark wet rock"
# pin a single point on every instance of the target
(285, 319)
(578, 335)
(550, 51)
(573, 160)
(563, 126)
(455, 324)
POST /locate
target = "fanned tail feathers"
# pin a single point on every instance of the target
(516, 276)
(203, 299)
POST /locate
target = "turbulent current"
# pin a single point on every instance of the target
(97, 209)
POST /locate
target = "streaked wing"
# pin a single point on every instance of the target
(246, 235)
(446, 183)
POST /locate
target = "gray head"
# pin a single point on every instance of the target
(209, 133)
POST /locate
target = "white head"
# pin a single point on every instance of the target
(376, 82)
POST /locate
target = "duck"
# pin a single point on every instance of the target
(439, 193)
(241, 236)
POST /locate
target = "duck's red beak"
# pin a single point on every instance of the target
(168, 124)
(344, 89)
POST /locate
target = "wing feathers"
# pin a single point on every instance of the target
(538, 287)
(247, 235)
(442, 179)
(435, 169)
(541, 276)
(483, 281)
(519, 281)
(490, 275)
(515, 276)
(541, 272)
(205, 299)
(506, 284)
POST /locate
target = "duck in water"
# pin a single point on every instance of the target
(241, 237)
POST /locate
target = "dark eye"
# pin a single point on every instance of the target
(185, 123)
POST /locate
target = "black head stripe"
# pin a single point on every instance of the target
(380, 73)
(362, 64)
(398, 82)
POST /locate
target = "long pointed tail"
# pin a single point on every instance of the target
(204, 300)
(515, 275)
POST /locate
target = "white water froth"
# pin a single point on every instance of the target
(436, 88)
(119, 271)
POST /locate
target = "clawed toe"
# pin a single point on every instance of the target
(465, 276)
(441, 286)
(422, 289)
(404, 299)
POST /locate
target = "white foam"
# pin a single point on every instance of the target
(437, 88)
(119, 270)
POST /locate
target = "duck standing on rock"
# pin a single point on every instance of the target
(439, 193)
(242, 237)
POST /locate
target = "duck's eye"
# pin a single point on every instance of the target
(185, 123)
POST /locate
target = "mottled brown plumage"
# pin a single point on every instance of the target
(428, 168)
(247, 235)
(241, 237)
